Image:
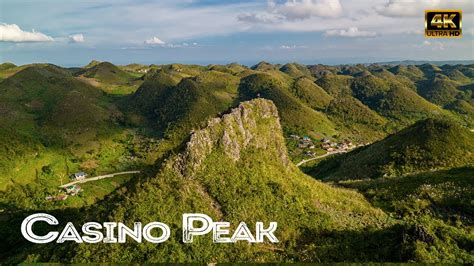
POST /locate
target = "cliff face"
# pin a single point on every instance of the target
(253, 124)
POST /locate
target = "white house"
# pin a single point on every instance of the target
(79, 175)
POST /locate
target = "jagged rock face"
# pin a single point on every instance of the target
(254, 124)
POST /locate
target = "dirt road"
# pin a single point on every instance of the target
(98, 178)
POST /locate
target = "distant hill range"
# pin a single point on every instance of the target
(421, 62)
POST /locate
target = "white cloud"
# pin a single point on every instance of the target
(413, 8)
(13, 33)
(304, 9)
(292, 47)
(293, 10)
(76, 38)
(180, 45)
(435, 46)
(258, 18)
(155, 41)
(350, 32)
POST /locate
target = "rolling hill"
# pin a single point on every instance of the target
(296, 116)
(106, 72)
(249, 142)
(220, 139)
(310, 93)
(427, 145)
(193, 100)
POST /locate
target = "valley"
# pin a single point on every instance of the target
(359, 163)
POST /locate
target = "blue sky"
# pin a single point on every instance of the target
(72, 33)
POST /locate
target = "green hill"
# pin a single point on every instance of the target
(427, 145)
(45, 109)
(392, 99)
(92, 63)
(319, 71)
(43, 91)
(296, 70)
(106, 72)
(191, 102)
(236, 169)
(310, 93)
(430, 70)
(296, 116)
(153, 91)
(442, 193)
(264, 66)
(411, 72)
(6, 66)
(440, 91)
(356, 119)
(456, 75)
(335, 85)
(435, 206)
(409, 196)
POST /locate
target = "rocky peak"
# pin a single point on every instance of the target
(253, 124)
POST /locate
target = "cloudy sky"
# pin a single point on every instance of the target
(73, 32)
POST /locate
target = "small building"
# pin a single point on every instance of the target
(72, 190)
(302, 145)
(293, 136)
(60, 197)
(79, 176)
(326, 140)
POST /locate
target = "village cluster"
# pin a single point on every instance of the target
(71, 190)
(326, 144)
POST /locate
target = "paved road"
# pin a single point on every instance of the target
(98, 178)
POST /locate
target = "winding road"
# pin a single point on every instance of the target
(319, 157)
(98, 178)
(325, 155)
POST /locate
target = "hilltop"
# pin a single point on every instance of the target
(105, 72)
(430, 144)
(296, 116)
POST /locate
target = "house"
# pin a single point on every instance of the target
(294, 136)
(326, 140)
(72, 190)
(79, 176)
(306, 139)
(60, 197)
(302, 145)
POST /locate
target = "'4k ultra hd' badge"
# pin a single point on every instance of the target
(443, 23)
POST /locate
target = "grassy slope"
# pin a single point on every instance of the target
(107, 73)
(194, 100)
(50, 120)
(296, 117)
(436, 206)
(427, 145)
(310, 93)
(258, 184)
